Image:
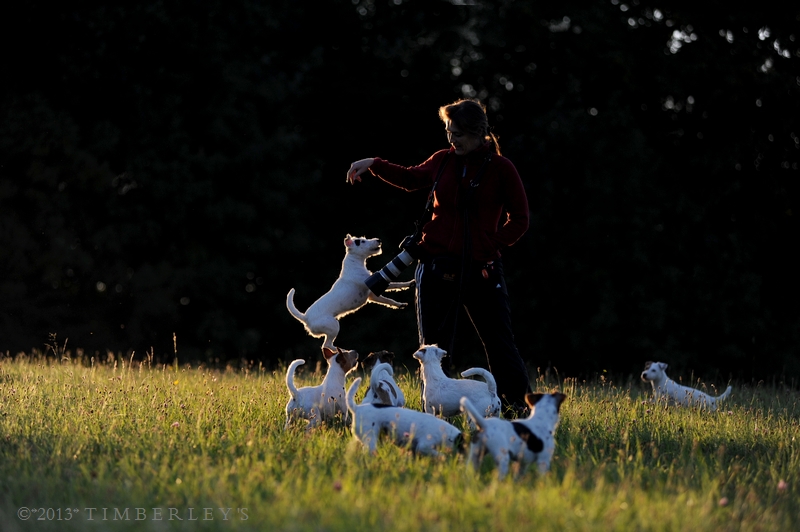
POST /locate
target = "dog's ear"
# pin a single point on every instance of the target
(387, 356)
(384, 393)
(368, 361)
(348, 359)
(663, 366)
(348, 240)
(648, 364)
(353, 356)
(329, 353)
(533, 398)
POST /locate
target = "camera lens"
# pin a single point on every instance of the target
(379, 281)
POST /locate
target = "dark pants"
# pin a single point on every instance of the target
(485, 301)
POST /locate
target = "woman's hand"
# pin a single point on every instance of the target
(358, 168)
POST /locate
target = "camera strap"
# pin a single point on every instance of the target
(429, 204)
(477, 179)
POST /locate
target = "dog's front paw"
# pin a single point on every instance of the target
(403, 285)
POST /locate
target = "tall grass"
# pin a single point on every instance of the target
(126, 436)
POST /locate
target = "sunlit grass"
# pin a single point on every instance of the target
(124, 435)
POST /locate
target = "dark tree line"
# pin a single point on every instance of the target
(176, 167)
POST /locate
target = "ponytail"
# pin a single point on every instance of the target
(496, 143)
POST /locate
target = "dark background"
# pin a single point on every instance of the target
(176, 167)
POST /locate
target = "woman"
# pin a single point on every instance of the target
(479, 206)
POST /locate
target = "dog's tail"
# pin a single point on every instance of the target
(290, 376)
(292, 309)
(383, 366)
(472, 412)
(485, 375)
(350, 398)
(380, 386)
(724, 395)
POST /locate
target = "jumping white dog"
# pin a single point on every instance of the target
(524, 440)
(325, 401)
(348, 293)
(666, 389)
(441, 394)
(423, 433)
(382, 387)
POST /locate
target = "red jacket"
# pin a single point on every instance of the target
(499, 193)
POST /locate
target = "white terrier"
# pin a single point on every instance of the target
(348, 293)
(382, 387)
(322, 402)
(666, 389)
(524, 440)
(423, 433)
(441, 394)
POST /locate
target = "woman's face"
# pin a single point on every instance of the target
(461, 141)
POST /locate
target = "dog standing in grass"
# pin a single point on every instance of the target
(325, 401)
(666, 389)
(441, 394)
(423, 433)
(348, 293)
(525, 440)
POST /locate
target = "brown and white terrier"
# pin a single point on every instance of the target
(325, 401)
(525, 441)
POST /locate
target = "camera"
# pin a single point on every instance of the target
(379, 281)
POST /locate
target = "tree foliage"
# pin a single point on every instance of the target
(177, 167)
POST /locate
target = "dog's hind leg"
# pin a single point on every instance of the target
(523, 466)
(502, 460)
(329, 329)
(475, 456)
(290, 414)
(369, 438)
(313, 418)
(543, 465)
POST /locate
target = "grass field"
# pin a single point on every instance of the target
(126, 445)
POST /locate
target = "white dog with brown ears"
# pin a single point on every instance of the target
(348, 293)
(325, 401)
(666, 389)
(423, 433)
(524, 440)
(441, 395)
